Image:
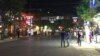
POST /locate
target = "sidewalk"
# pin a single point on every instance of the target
(86, 45)
(8, 40)
(96, 45)
(83, 45)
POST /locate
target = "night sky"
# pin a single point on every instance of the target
(55, 7)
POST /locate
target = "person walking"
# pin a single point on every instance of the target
(29, 32)
(67, 35)
(79, 38)
(62, 38)
(18, 32)
(90, 36)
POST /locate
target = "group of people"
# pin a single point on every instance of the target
(64, 35)
(65, 38)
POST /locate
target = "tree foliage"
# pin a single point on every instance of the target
(84, 11)
(10, 8)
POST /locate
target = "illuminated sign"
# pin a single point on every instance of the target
(92, 3)
(74, 19)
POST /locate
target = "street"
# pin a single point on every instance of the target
(35, 46)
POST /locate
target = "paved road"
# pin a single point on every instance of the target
(43, 47)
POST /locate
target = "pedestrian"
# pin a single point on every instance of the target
(67, 35)
(29, 32)
(90, 36)
(6, 32)
(62, 38)
(79, 38)
(18, 32)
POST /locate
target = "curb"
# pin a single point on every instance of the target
(8, 40)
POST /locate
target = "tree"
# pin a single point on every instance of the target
(84, 11)
(10, 9)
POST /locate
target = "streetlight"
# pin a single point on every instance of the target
(51, 20)
(48, 12)
(0, 26)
